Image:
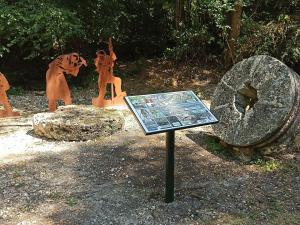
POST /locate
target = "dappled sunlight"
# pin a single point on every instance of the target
(120, 179)
(67, 182)
(167, 76)
(124, 174)
(21, 142)
(115, 174)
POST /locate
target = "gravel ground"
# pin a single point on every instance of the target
(120, 179)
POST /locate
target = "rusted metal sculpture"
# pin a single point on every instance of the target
(104, 66)
(4, 87)
(57, 86)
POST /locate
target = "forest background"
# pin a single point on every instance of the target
(217, 32)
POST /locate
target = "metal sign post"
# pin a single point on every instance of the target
(167, 112)
(170, 142)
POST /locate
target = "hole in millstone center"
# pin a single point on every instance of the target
(245, 98)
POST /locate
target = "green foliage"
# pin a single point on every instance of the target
(268, 27)
(71, 201)
(37, 28)
(46, 28)
(203, 31)
(276, 165)
(33, 32)
(190, 44)
(280, 39)
(271, 165)
(268, 10)
(139, 27)
(271, 27)
(55, 195)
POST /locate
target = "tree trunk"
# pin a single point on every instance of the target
(235, 24)
(179, 13)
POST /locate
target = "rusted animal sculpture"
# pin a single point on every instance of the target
(104, 66)
(57, 87)
(4, 87)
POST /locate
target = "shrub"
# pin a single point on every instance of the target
(204, 31)
(37, 28)
(280, 39)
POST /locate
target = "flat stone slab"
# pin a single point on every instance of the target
(255, 101)
(77, 123)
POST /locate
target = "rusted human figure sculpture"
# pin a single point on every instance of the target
(8, 110)
(104, 66)
(57, 87)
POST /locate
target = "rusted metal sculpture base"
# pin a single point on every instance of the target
(4, 87)
(57, 87)
(104, 66)
(5, 113)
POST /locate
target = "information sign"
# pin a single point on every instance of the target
(167, 112)
(163, 112)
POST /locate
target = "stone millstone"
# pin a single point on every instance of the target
(77, 123)
(256, 102)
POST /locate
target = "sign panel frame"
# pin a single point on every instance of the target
(149, 108)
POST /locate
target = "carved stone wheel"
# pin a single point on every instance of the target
(257, 103)
(77, 123)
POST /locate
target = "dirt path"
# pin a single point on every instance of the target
(120, 179)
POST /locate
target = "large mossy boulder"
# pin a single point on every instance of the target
(77, 123)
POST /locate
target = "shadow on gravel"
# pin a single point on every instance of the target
(212, 144)
(124, 184)
(33, 134)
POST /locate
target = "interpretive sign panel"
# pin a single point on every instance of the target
(163, 112)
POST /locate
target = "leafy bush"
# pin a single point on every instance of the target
(139, 28)
(280, 39)
(191, 44)
(47, 28)
(203, 32)
(37, 28)
(268, 27)
(32, 32)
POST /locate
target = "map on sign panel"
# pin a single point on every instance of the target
(163, 112)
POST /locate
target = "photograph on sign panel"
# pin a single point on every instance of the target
(163, 123)
(156, 112)
(174, 121)
(147, 119)
(137, 102)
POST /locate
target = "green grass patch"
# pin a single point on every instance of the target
(272, 165)
(55, 195)
(71, 201)
(275, 165)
